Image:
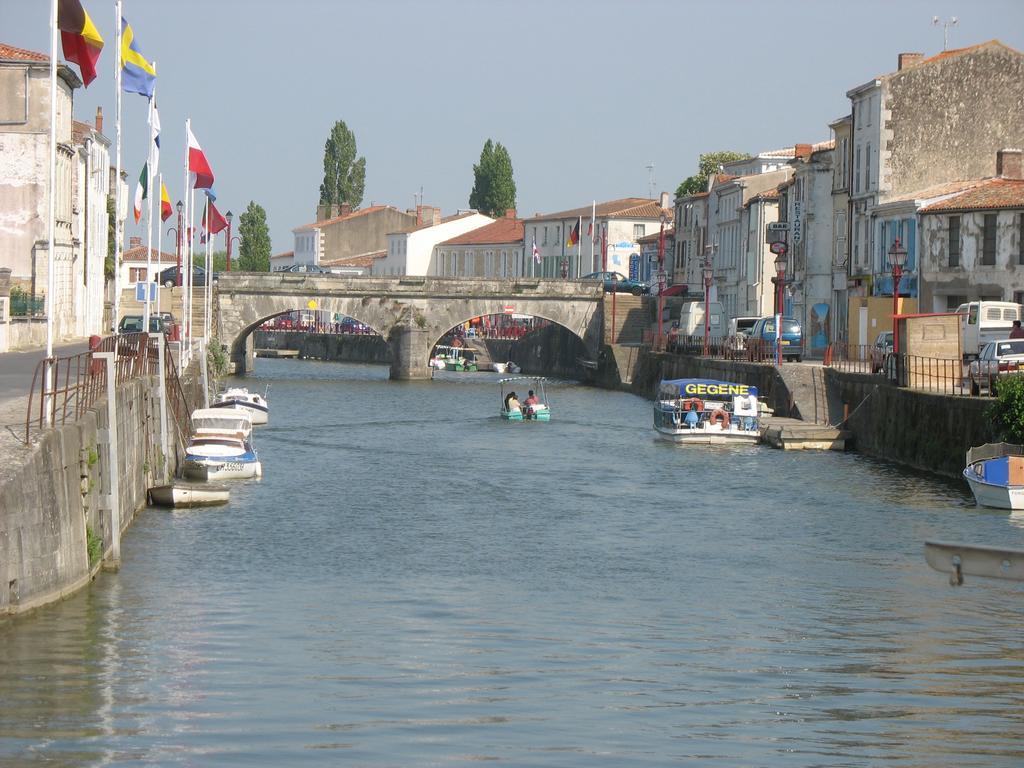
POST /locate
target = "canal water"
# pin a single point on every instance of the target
(415, 582)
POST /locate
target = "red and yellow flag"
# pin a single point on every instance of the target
(165, 203)
(79, 38)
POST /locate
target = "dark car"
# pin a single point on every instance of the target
(136, 324)
(762, 338)
(616, 282)
(169, 277)
(881, 350)
(315, 269)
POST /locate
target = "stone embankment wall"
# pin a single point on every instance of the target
(347, 348)
(48, 504)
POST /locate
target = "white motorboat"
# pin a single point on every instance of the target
(181, 494)
(240, 397)
(221, 447)
(500, 367)
(706, 412)
(995, 473)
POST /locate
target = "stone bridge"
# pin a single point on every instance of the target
(411, 313)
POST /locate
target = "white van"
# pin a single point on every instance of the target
(985, 321)
(691, 320)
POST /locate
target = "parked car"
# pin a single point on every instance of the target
(880, 351)
(169, 277)
(739, 330)
(616, 282)
(996, 359)
(136, 324)
(763, 336)
(315, 269)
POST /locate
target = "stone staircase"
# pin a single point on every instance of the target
(170, 301)
(808, 398)
(632, 318)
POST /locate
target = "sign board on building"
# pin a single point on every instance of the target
(140, 291)
(798, 221)
(509, 309)
(777, 248)
(778, 226)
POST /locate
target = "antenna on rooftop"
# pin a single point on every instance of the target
(650, 179)
(417, 197)
(952, 22)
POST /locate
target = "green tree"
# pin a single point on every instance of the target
(494, 189)
(108, 262)
(254, 250)
(707, 164)
(219, 260)
(1007, 412)
(344, 175)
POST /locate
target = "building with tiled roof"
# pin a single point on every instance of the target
(934, 120)
(355, 265)
(493, 250)
(80, 224)
(340, 232)
(133, 263)
(972, 239)
(608, 237)
(413, 250)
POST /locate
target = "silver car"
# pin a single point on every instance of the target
(997, 358)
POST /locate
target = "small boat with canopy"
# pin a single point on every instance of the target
(706, 411)
(524, 398)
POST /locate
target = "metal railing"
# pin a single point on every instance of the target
(23, 305)
(929, 374)
(78, 382)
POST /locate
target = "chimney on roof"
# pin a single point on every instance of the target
(345, 209)
(1009, 164)
(323, 212)
(802, 151)
(99, 119)
(906, 60)
(335, 210)
(134, 242)
(664, 201)
(510, 213)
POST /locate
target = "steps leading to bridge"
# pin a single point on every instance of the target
(170, 301)
(631, 318)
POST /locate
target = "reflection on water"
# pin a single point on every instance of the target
(416, 582)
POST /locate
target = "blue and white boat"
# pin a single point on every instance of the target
(240, 397)
(706, 411)
(221, 446)
(995, 472)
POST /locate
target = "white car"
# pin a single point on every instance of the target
(997, 358)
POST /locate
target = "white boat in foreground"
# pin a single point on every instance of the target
(221, 447)
(180, 494)
(240, 397)
(706, 412)
(995, 473)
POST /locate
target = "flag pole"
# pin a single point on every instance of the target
(159, 238)
(579, 246)
(51, 209)
(183, 253)
(593, 232)
(209, 281)
(188, 265)
(118, 223)
(149, 213)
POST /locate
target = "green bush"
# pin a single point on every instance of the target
(94, 544)
(1007, 412)
(217, 358)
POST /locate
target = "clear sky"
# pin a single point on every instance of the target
(585, 94)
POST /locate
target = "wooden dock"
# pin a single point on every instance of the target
(796, 435)
(277, 353)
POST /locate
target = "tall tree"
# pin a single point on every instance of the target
(254, 250)
(344, 174)
(494, 189)
(707, 164)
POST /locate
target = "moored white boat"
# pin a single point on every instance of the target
(181, 494)
(221, 448)
(707, 412)
(240, 397)
(995, 473)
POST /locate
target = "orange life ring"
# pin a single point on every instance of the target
(721, 417)
(685, 404)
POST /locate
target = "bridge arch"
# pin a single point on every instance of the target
(409, 312)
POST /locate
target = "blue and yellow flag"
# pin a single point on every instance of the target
(137, 74)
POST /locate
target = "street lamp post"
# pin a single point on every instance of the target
(178, 242)
(709, 276)
(780, 281)
(229, 239)
(897, 260)
(661, 276)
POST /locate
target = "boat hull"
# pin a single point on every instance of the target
(206, 468)
(997, 496)
(188, 495)
(711, 436)
(259, 414)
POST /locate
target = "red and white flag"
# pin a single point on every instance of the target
(198, 166)
(536, 252)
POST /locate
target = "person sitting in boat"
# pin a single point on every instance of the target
(529, 403)
(692, 417)
(744, 408)
(511, 402)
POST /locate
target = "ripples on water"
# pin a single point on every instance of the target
(415, 582)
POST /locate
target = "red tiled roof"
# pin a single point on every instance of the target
(284, 255)
(624, 208)
(362, 260)
(345, 217)
(12, 53)
(138, 253)
(498, 232)
(768, 194)
(669, 232)
(724, 178)
(990, 194)
(938, 190)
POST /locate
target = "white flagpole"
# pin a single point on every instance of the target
(51, 208)
(118, 224)
(579, 246)
(593, 232)
(209, 282)
(182, 224)
(149, 215)
(188, 265)
(159, 236)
